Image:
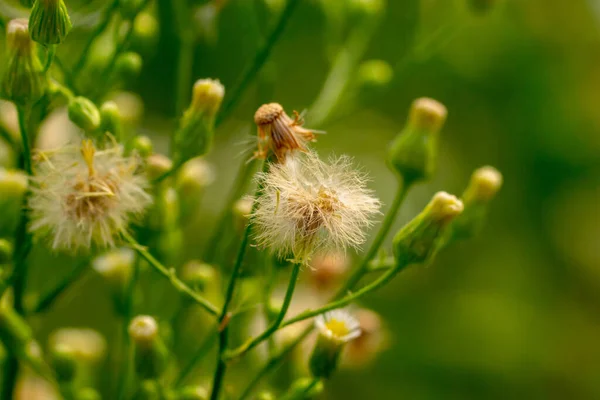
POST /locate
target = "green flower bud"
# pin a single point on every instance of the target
(148, 390)
(84, 113)
(13, 185)
(199, 275)
(150, 350)
(195, 175)
(88, 394)
(64, 363)
(413, 154)
(130, 8)
(157, 165)
(128, 66)
(86, 345)
(483, 187)
(375, 74)
(49, 21)
(195, 134)
(116, 267)
(418, 241)
(265, 396)
(192, 393)
(6, 251)
(142, 145)
(145, 32)
(110, 118)
(23, 81)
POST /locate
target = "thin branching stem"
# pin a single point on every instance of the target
(177, 284)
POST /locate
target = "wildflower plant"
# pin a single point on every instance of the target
(108, 201)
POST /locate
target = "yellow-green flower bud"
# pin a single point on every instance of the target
(483, 187)
(49, 21)
(375, 74)
(64, 363)
(192, 393)
(128, 66)
(413, 154)
(84, 113)
(13, 185)
(145, 32)
(148, 390)
(199, 275)
(157, 165)
(87, 345)
(150, 350)
(418, 241)
(195, 134)
(6, 251)
(110, 118)
(116, 267)
(195, 175)
(23, 81)
(88, 394)
(265, 396)
(142, 145)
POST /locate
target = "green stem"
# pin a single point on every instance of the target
(224, 316)
(239, 187)
(261, 56)
(50, 57)
(292, 395)
(104, 21)
(49, 298)
(170, 275)
(127, 315)
(198, 356)
(22, 248)
(275, 324)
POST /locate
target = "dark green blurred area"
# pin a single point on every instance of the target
(514, 313)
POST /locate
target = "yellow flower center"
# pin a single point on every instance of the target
(337, 328)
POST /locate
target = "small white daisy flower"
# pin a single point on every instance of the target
(83, 197)
(308, 205)
(338, 325)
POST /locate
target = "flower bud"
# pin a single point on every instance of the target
(64, 363)
(142, 145)
(150, 351)
(328, 269)
(413, 154)
(375, 75)
(88, 394)
(242, 210)
(13, 185)
(145, 32)
(128, 66)
(483, 187)
(418, 241)
(110, 118)
(116, 267)
(265, 396)
(49, 21)
(206, 18)
(148, 390)
(193, 177)
(192, 393)
(23, 81)
(335, 329)
(86, 345)
(199, 275)
(84, 113)
(195, 134)
(6, 251)
(157, 165)
(372, 340)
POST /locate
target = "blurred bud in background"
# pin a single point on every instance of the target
(327, 270)
(157, 165)
(116, 267)
(146, 31)
(127, 68)
(6, 251)
(13, 185)
(192, 178)
(150, 350)
(192, 393)
(361, 352)
(84, 113)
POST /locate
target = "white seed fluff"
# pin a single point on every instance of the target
(307, 205)
(83, 197)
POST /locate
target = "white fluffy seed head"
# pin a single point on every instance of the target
(84, 197)
(308, 205)
(338, 325)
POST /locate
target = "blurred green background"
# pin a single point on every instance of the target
(514, 313)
